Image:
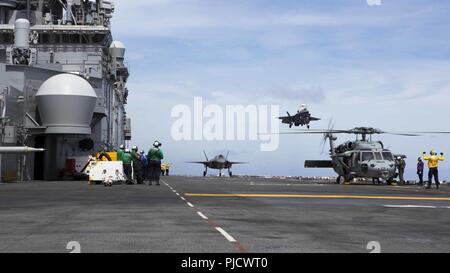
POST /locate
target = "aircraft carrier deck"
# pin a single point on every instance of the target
(191, 214)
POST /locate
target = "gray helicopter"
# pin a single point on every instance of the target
(362, 158)
(219, 162)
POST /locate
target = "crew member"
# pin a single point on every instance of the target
(420, 168)
(137, 165)
(120, 152)
(154, 157)
(144, 163)
(401, 165)
(127, 161)
(433, 164)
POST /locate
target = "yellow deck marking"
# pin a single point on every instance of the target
(419, 198)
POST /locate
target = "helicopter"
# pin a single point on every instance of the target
(301, 118)
(219, 162)
(362, 158)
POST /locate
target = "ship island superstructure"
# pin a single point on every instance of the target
(62, 85)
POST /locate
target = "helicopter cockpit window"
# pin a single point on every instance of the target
(378, 156)
(366, 156)
(388, 156)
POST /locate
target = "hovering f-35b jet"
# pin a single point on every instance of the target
(303, 117)
(219, 162)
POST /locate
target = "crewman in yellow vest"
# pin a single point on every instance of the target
(433, 164)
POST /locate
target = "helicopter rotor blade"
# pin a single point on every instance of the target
(316, 132)
(326, 135)
(437, 133)
(416, 133)
(322, 144)
(401, 134)
(330, 123)
(361, 131)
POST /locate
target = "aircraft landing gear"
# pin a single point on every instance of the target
(205, 172)
(338, 180)
(230, 173)
(307, 126)
(348, 179)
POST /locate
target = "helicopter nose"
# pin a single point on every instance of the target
(384, 169)
(381, 167)
(385, 174)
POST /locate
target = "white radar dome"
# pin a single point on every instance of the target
(66, 104)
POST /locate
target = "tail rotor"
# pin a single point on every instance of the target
(327, 134)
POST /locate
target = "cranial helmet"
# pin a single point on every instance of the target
(135, 148)
(156, 143)
(122, 146)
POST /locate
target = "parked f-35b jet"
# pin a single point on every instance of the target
(303, 117)
(219, 162)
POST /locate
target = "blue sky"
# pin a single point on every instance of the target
(384, 66)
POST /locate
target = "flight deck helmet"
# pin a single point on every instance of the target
(157, 144)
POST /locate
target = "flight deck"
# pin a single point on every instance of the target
(231, 215)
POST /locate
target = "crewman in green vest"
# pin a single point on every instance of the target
(127, 161)
(154, 157)
(120, 152)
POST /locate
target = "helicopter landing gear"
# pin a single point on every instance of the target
(389, 182)
(348, 179)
